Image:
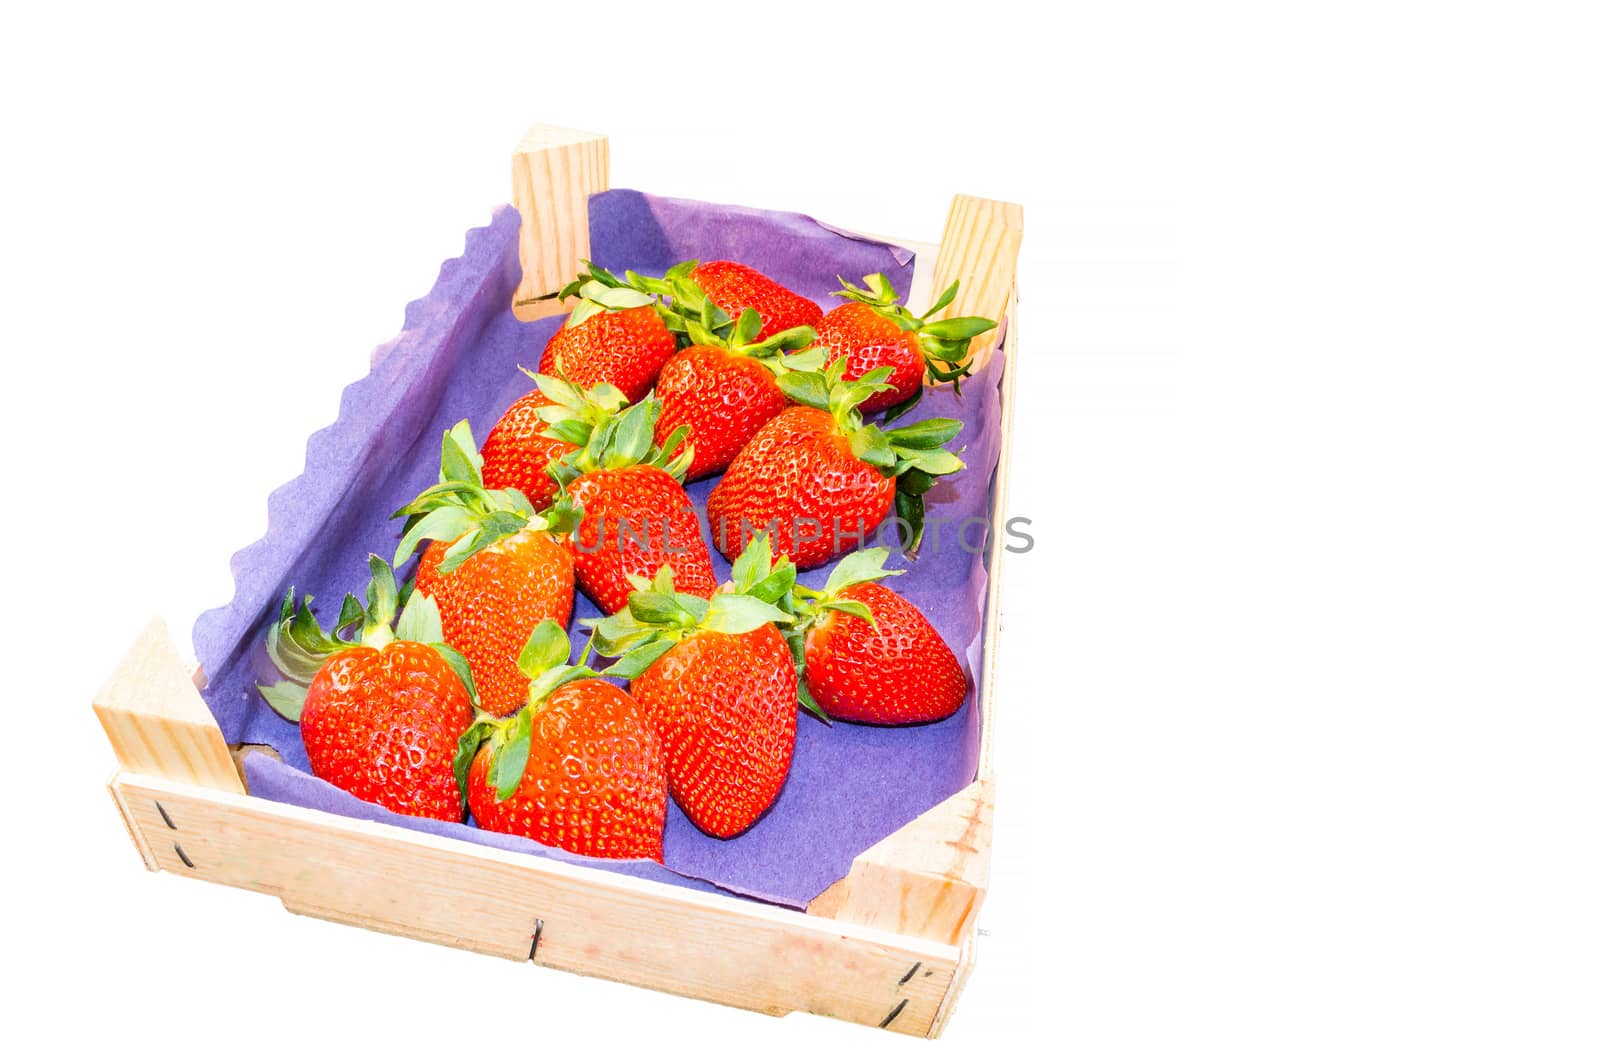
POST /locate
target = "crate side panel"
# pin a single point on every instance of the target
(594, 923)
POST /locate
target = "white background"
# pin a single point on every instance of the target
(1297, 726)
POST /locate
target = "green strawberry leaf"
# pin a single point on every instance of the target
(809, 701)
(552, 679)
(865, 565)
(571, 431)
(463, 549)
(958, 329)
(658, 608)
(547, 648)
(383, 600)
(851, 607)
(810, 359)
(511, 757)
(420, 621)
(566, 395)
(914, 482)
(636, 661)
(459, 460)
(805, 388)
(925, 434)
(441, 524)
(753, 563)
(458, 663)
(733, 613)
(932, 461)
(466, 750)
(350, 614)
(872, 445)
(775, 586)
(288, 698)
(911, 511)
(894, 412)
(634, 435)
(746, 328)
(944, 299)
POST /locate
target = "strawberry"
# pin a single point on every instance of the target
(717, 681)
(723, 388)
(615, 335)
(873, 330)
(579, 769)
(636, 517)
(868, 654)
(540, 427)
(381, 716)
(735, 288)
(820, 480)
(495, 567)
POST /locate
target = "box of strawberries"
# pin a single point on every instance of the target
(635, 617)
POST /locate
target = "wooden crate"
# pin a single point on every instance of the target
(889, 945)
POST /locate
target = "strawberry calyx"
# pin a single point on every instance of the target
(625, 440)
(914, 455)
(696, 320)
(461, 510)
(946, 344)
(298, 645)
(793, 350)
(576, 411)
(543, 662)
(858, 567)
(599, 291)
(657, 617)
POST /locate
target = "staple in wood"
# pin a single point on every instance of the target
(538, 929)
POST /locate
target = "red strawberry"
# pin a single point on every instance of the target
(723, 388)
(579, 769)
(381, 717)
(735, 288)
(540, 427)
(718, 683)
(870, 655)
(495, 568)
(615, 335)
(820, 481)
(873, 330)
(636, 517)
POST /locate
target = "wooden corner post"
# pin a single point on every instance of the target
(979, 248)
(156, 721)
(553, 173)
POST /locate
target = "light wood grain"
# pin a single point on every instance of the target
(925, 880)
(982, 238)
(553, 173)
(156, 721)
(594, 922)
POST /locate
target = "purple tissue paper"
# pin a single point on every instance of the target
(457, 357)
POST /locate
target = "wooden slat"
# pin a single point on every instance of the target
(553, 173)
(1001, 492)
(156, 721)
(979, 248)
(597, 923)
(926, 880)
